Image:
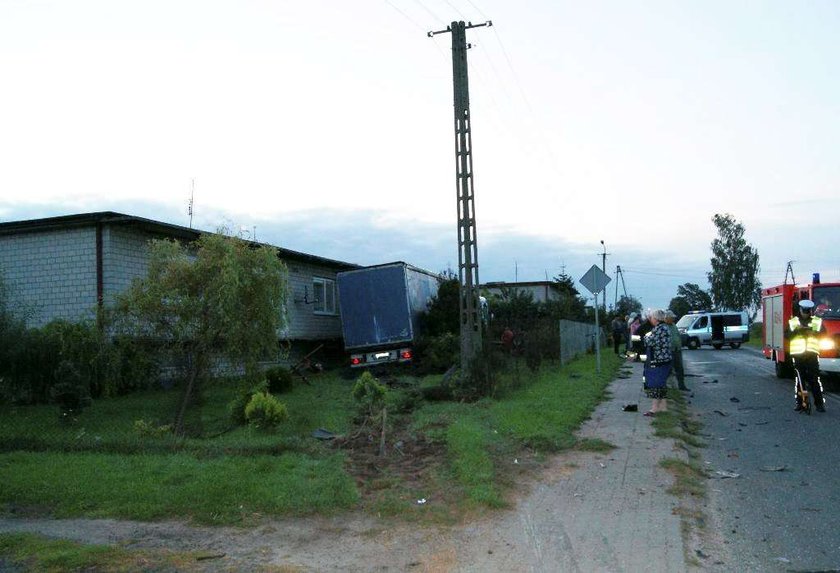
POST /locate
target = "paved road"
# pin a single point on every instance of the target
(771, 520)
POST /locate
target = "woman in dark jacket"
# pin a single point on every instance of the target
(658, 362)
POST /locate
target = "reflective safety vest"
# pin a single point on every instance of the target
(807, 341)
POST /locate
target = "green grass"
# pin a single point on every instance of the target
(483, 438)
(38, 553)
(689, 478)
(109, 424)
(594, 445)
(545, 414)
(102, 466)
(470, 443)
(676, 424)
(756, 335)
(223, 490)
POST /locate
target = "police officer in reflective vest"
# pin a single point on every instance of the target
(803, 333)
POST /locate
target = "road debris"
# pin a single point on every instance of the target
(774, 468)
(207, 556)
(721, 474)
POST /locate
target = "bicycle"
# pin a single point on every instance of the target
(803, 395)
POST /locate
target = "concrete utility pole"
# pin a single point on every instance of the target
(603, 270)
(469, 304)
(619, 275)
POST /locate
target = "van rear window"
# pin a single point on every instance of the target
(732, 320)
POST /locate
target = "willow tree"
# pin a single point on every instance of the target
(219, 300)
(734, 275)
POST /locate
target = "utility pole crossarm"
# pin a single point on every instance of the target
(467, 26)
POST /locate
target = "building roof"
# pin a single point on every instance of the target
(500, 284)
(149, 225)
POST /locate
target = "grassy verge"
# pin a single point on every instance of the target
(37, 553)
(756, 335)
(225, 490)
(110, 425)
(690, 479)
(484, 440)
(106, 465)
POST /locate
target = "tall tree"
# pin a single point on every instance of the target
(219, 298)
(734, 275)
(690, 297)
(565, 285)
(627, 304)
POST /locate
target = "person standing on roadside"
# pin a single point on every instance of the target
(658, 362)
(676, 349)
(632, 327)
(619, 325)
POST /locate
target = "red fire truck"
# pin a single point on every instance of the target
(778, 304)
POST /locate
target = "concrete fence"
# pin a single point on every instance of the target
(577, 338)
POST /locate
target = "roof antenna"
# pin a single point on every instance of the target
(192, 196)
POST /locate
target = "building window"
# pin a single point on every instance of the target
(324, 290)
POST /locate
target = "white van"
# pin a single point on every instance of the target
(700, 327)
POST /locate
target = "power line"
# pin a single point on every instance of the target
(414, 22)
(654, 273)
(461, 14)
(477, 9)
(404, 15)
(429, 12)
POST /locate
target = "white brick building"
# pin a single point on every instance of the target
(64, 267)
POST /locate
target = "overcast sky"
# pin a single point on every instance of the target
(327, 126)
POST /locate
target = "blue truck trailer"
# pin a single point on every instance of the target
(380, 306)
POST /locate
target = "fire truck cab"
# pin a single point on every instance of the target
(779, 304)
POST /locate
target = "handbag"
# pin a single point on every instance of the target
(656, 376)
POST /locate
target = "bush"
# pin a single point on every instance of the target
(31, 360)
(541, 343)
(264, 411)
(438, 353)
(483, 380)
(369, 393)
(443, 314)
(280, 380)
(236, 407)
(404, 401)
(69, 392)
(148, 429)
(132, 366)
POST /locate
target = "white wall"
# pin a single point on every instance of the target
(51, 273)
